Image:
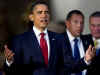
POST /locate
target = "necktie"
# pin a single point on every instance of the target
(96, 44)
(76, 53)
(97, 51)
(76, 50)
(44, 48)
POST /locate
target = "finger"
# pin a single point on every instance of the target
(94, 50)
(6, 49)
(10, 56)
(89, 48)
(8, 53)
(5, 46)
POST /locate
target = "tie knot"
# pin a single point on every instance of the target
(76, 40)
(42, 34)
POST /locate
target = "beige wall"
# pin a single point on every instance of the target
(60, 8)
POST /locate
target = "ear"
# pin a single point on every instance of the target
(67, 23)
(31, 17)
(90, 26)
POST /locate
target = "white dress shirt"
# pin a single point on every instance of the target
(98, 42)
(80, 46)
(37, 33)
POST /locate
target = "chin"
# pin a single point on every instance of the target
(77, 35)
(97, 36)
(44, 25)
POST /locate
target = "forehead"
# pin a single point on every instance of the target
(77, 17)
(95, 19)
(40, 7)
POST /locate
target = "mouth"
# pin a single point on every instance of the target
(78, 30)
(45, 20)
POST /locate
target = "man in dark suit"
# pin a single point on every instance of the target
(74, 40)
(94, 21)
(35, 52)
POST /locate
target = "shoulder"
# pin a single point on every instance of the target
(56, 35)
(86, 37)
(20, 37)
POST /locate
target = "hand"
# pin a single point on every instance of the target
(90, 53)
(8, 54)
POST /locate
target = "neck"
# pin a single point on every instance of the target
(40, 29)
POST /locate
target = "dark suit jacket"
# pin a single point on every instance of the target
(95, 68)
(28, 58)
(74, 66)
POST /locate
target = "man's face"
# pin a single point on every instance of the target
(95, 27)
(75, 25)
(41, 16)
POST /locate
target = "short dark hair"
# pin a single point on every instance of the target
(78, 12)
(38, 2)
(95, 14)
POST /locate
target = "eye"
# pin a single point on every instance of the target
(93, 25)
(98, 25)
(46, 12)
(76, 21)
(39, 12)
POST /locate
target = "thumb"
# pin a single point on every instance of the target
(5, 46)
(90, 46)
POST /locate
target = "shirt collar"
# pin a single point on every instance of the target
(96, 39)
(71, 37)
(37, 31)
(98, 42)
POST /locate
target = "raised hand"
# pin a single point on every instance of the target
(90, 53)
(8, 54)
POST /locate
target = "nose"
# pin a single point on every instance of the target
(44, 14)
(79, 24)
(96, 28)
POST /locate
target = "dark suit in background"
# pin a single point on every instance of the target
(94, 25)
(95, 68)
(79, 65)
(74, 27)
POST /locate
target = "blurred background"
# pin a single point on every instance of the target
(60, 9)
(14, 13)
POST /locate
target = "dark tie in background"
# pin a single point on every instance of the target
(76, 53)
(44, 48)
(97, 51)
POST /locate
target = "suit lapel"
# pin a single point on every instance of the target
(35, 47)
(52, 48)
(85, 42)
(67, 43)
